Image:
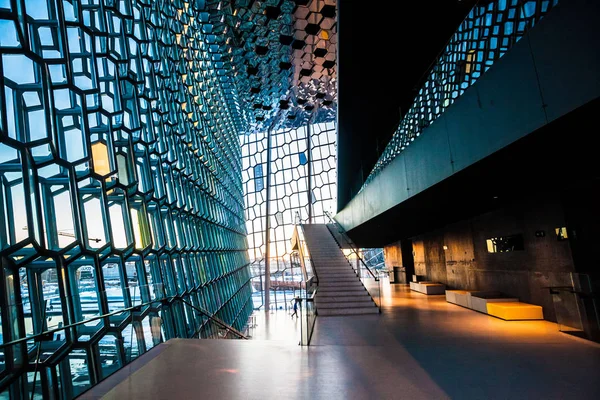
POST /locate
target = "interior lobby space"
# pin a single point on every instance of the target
(419, 347)
(299, 199)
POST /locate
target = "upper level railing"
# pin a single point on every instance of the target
(490, 29)
(37, 346)
(370, 278)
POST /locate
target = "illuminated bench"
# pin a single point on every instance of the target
(459, 297)
(514, 310)
(428, 287)
(479, 301)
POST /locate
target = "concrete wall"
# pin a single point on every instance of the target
(392, 255)
(466, 263)
(552, 71)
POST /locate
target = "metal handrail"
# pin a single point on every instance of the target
(309, 299)
(314, 270)
(342, 231)
(216, 320)
(41, 336)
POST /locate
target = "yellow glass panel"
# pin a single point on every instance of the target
(100, 158)
(470, 59)
(324, 34)
(140, 228)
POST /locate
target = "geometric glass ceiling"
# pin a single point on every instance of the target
(276, 59)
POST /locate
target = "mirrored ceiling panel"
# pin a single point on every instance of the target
(278, 60)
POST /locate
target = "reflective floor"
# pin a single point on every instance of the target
(420, 347)
(275, 325)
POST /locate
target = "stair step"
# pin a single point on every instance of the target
(339, 285)
(338, 292)
(339, 265)
(347, 276)
(348, 304)
(334, 270)
(342, 275)
(362, 298)
(346, 311)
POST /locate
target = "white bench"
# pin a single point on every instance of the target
(428, 287)
(459, 297)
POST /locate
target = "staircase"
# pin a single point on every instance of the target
(340, 291)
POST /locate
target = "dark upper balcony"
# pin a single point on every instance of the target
(477, 129)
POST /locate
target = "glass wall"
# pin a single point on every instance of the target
(120, 189)
(487, 33)
(287, 174)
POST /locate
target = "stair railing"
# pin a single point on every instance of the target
(48, 334)
(213, 327)
(372, 280)
(308, 286)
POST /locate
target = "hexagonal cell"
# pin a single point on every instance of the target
(286, 39)
(272, 12)
(109, 350)
(133, 341)
(327, 24)
(86, 298)
(329, 64)
(300, 24)
(328, 11)
(300, 35)
(301, 12)
(151, 328)
(320, 52)
(261, 50)
(75, 372)
(312, 29)
(285, 65)
(305, 72)
(298, 44)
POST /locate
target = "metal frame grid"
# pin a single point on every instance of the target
(486, 34)
(120, 188)
(282, 177)
(282, 55)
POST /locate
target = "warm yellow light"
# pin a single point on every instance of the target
(515, 310)
(470, 59)
(100, 158)
(140, 228)
(324, 35)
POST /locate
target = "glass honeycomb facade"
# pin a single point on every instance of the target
(121, 199)
(490, 29)
(289, 176)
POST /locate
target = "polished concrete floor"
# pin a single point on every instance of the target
(420, 347)
(276, 325)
